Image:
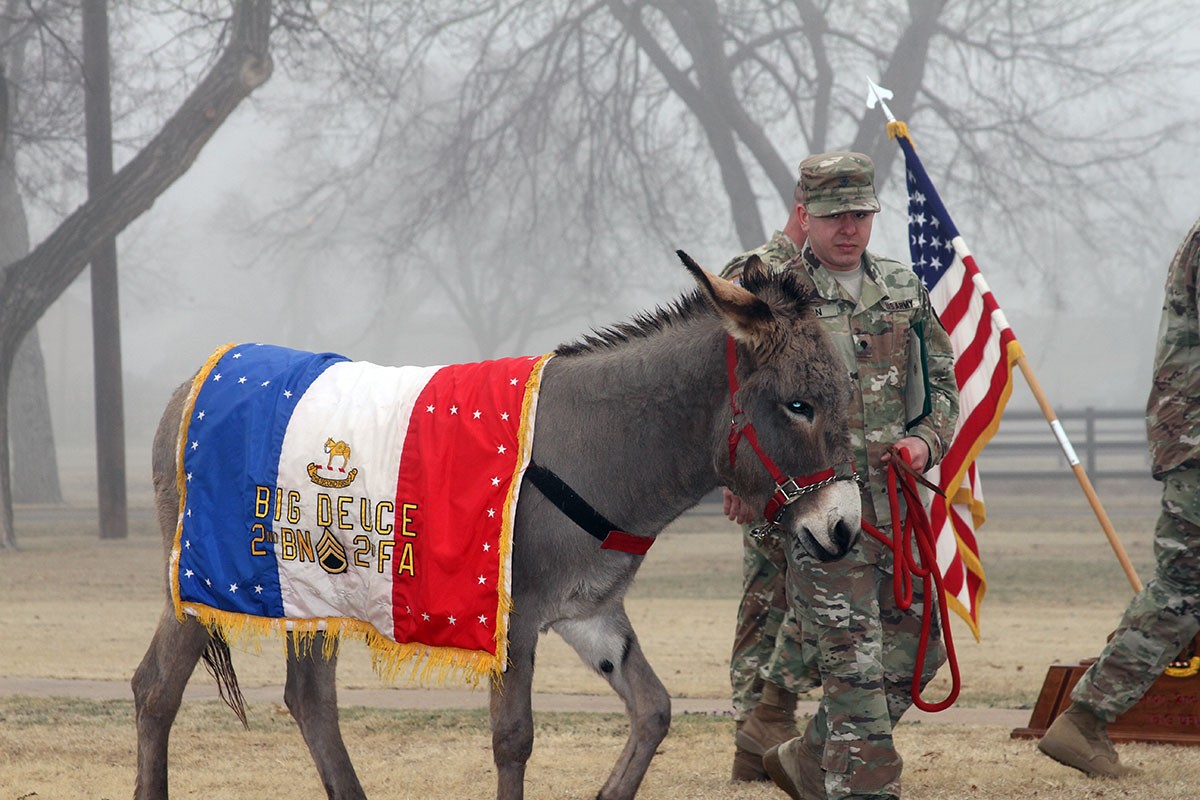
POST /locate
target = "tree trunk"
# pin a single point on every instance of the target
(35, 478)
(904, 75)
(106, 315)
(8, 535)
(32, 432)
(743, 203)
(29, 286)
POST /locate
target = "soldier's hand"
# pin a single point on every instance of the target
(735, 508)
(918, 452)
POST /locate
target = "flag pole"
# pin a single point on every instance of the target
(877, 95)
(1080, 474)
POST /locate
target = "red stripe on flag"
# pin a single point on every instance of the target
(957, 306)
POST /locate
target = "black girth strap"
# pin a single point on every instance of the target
(582, 514)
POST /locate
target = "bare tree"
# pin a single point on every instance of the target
(36, 479)
(106, 317)
(679, 113)
(32, 283)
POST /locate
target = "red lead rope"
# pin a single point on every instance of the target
(916, 524)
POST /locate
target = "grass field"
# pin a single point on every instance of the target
(74, 607)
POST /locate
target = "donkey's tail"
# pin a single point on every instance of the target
(220, 666)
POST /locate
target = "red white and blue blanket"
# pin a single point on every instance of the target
(322, 494)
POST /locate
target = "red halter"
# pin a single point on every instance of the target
(787, 490)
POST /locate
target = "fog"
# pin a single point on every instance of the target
(190, 283)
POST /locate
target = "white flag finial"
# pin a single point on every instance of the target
(878, 94)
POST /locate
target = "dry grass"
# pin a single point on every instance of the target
(76, 607)
(76, 750)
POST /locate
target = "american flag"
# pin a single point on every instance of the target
(984, 352)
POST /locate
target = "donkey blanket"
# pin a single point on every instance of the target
(317, 493)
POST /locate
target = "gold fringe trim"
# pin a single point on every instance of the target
(430, 665)
(899, 129)
(185, 420)
(525, 432)
(962, 496)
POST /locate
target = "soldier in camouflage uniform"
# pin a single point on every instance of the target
(1164, 617)
(767, 632)
(880, 318)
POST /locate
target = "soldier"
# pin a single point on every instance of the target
(1161, 619)
(765, 624)
(880, 318)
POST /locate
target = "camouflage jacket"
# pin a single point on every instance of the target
(874, 337)
(1173, 410)
(775, 253)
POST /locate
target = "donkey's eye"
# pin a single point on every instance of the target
(801, 409)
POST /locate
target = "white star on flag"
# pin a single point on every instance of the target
(501, 450)
(495, 481)
(482, 619)
(477, 414)
(482, 581)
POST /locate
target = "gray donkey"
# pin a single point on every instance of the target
(634, 426)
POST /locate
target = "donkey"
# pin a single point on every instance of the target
(636, 421)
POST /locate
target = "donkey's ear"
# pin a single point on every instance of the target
(745, 315)
(753, 269)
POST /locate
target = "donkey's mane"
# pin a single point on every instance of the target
(641, 326)
(789, 289)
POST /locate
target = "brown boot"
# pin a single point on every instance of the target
(772, 722)
(1079, 739)
(795, 767)
(747, 766)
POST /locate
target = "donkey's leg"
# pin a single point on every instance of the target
(311, 695)
(512, 712)
(606, 642)
(158, 685)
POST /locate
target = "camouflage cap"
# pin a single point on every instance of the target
(831, 183)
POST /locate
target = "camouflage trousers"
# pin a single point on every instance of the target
(865, 646)
(767, 641)
(1161, 619)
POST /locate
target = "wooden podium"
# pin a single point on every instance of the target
(1169, 712)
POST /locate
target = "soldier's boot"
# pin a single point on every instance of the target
(746, 765)
(1079, 739)
(795, 767)
(772, 722)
